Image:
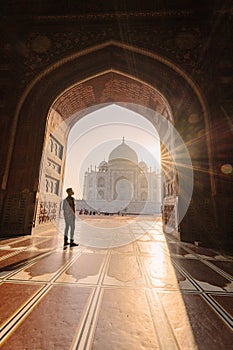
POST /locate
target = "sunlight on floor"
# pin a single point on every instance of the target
(144, 294)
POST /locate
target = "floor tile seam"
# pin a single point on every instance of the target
(147, 255)
(219, 310)
(57, 273)
(209, 264)
(135, 238)
(190, 291)
(43, 239)
(91, 324)
(204, 295)
(85, 332)
(9, 255)
(176, 289)
(182, 257)
(63, 268)
(163, 329)
(187, 275)
(185, 257)
(47, 285)
(218, 270)
(104, 268)
(15, 240)
(94, 285)
(143, 268)
(120, 286)
(143, 271)
(33, 261)
(46, 236)
(183, 291)
(38, 229)
(211, 295)
(27, 265)
(23, 313)
(152, 240)
(96, 304)
(222, 293)
(78, 284)
(46, 239)
(83, 283)
(21, 307)
(151, 287)
(183, 245)
(133, 253)
(115, 252)
(19, 281)
(193, 280)
(28, 246)
(81, 327)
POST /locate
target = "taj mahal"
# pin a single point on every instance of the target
(122, 185)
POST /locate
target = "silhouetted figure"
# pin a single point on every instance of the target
(69, 215)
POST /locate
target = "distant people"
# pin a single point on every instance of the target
(69, 215)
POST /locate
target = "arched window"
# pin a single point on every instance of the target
(46, 186)
(51, 145)
(101, 182)
(100, 194)
(56, 149)
(144, 196)
(51, 186)
(143, 183)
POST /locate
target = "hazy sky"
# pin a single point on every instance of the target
(92, 139)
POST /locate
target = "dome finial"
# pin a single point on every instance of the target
(123, 139)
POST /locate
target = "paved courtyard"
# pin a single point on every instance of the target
(126, 286)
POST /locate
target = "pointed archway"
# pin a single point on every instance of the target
(95, 93)
(88, 79)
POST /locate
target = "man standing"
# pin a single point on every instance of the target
(69, 215)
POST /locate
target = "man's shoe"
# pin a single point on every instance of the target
(73, 244)
(66, 243)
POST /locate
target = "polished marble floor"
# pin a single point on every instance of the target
(126, 286)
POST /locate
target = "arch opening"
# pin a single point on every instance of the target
(113, 83)
(60, 125)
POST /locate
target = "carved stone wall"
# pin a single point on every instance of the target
(51, 170)
(183, 52)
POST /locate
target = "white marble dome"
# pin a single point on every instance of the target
(123, 151)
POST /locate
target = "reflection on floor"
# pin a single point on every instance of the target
(151, 293)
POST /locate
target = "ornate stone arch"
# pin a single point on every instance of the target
(153, 82)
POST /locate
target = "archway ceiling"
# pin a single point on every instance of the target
(44, 8)
(108, 88)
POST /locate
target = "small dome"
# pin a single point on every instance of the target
(123, 151)
(143, 165)
(103, 164)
